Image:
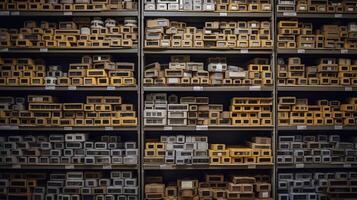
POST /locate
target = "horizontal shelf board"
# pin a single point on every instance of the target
(317, 51)
(316, 166)
(317, 15)
(207, 128)
(68, 50)
(61, 88)
(187, 167)
(69, 166)
(206, 51)
(70, 128)
(302, 128)
(206, 14)
(114, 13)
(208, 88)
(321, 88)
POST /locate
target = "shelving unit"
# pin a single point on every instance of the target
(141, 54)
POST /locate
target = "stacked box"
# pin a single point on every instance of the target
(192, 111)
(80, 33)
(295, 34)
(320, 149)
(208, 5)
(177, 150)
(318, 185)
(298, 112)
(327, 72)
(181, 71)
(258, 152)
(163, 33)
(213, 187)
(68, 149)
(41, 111)
(69, 5)
(74, 185)
(317, 6)
(98, 70)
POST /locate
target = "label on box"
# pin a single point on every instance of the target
(219, 67)
(166, 166)
(201, 127)
(4, 13)
(252, 166)
(344, 51)
(67, 128)
(107, 167)
(348, 89)
(43, 50)
(16, 166)
(338, 15)
(186, 184)
(255, 88)
(50, 87)
(67, 13)
(197, 88)
(72, 87)
(109, 128)
(223, 14)
(110, 88)
(347, 165)
(168, 128)
(300, 165)
(265, 194)
(338, 127)
(301, 50)
(301, 127)
(244, 51)
(289, 14)
(15, 13)
(4, 49)
(219, 154)
(69, 166)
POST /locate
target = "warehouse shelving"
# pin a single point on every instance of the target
(313, 88)
(70, 13)
(70, 50)
(209, 88)
(317, 166)
(208, 51)
(68, 128)
(70, 167)
(317, 15)
(69, 88)
(318, 51)
(316, 128)
(208, 128)
(206, 167)
(206, 14)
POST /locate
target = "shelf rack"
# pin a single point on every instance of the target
(141, 53)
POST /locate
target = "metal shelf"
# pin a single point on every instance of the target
(68, 50)
(69, 166)
(317, 88)
(205, 167)
(206, 14)
(316, 166)
(315, 128)
(207, 51)
(209, 88)
(69, 88)
(318, 15)
(117, 13)
(317, 51)
(70, 128)
(208, 128)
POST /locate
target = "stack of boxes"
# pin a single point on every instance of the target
(163, 33)
(328, 72)
(213, 187)
(181, 71)
(45, 111)
(97, 70)
(294, 112)
(208, 5)
(321, 149)
(192, 111)
(177, 150)
(258, 152)
(68, 149)
(69, 5)
(80, 33)
(317, 6)
(295, 34)
(318, 185)
(75, 185)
